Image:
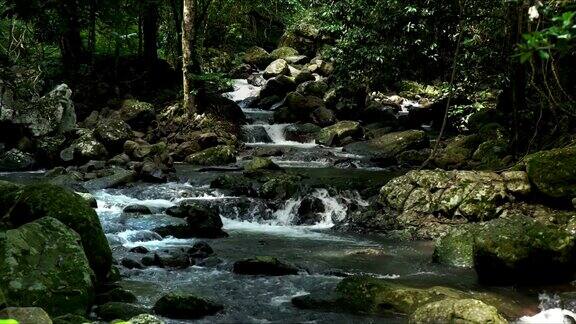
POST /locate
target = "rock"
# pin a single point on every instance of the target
(255, 134)
(301, 106)
(267, 266)
(309, 211)
(119, 160)
(304, 76)
(258, 57)
(113, 133)
(16, 160)
(458, 151)
(145, 319)
(280, 187)
(385, 148)
(200, 250)
(283, 53)
(70, 319)
(202, 221)
(51, 114)
(219, 155)
(303, 37)
(26, 315)
(45, 200)
(335, 134)
(8, 194)
(176, 259)
(517, 182)
(278, 86)
(296, 59)
(137, 114)
(116, 295)
(45, 266)
(118, 310)
(276, 68)
(118, 178)
(48, 149)
(456, 248)
(89, 198)
(131, 263)
(236, 184)
(185, 306)
(137, 209)
(553, 172)
(139, 250)
(313, 88)
(523, 251)
(323, 117)
(303, 133)
(220, 107)
(457, 310)
(259, 164)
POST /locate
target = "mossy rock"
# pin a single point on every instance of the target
(237, 183)
(218, 155)
(137, 114)
(120, 311)
(283, 52)
(554, 172)
(70, 319)
(281, 186)
(146, 319)
(8, 195)
(385, 148)
(458, 152)
(42, 200)
(25, 315)
(44, 266)
(261, 164)
(368, 295)
(521, 250)
(185, 306)
(470, 311)
(456, 248)
(257, 56)
(333, 135)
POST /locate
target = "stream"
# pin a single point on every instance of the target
(324, 255)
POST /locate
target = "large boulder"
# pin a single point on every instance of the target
(258, 57)
(264, 265)
(137, 114)
(119, 310)
(16, 160)
(471, 311)
(258, 164)
(218, 155)
(45, 266)
(8, 194)
(276, 68)
(456, 248)
(284, 52)
(184, 306)
(521, 250)
(50, 114)
(458, 151)
(201, 221)
(46, 200)
(25, 315)
(553, 172)
(430, 201)
(113, 133)
(386, 148)
(278, 86)
(220, 107)
(85, 148)
(334, 135)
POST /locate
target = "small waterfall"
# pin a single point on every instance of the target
(242, 91)
(277, 136)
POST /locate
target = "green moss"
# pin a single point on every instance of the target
(280, 187)
(283, 52)
(554, 172)
(456, 248)
(259, 164)
(8, 194)
(44, 266)
(470, 311)
(43, 200)
(218, 155)
(332, 135)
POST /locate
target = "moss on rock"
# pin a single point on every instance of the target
(456, 248)
(218, 155)
(44, 265)
(554, 172)
(333, 135)
(46, 200)
(185, 306)
(469, 311)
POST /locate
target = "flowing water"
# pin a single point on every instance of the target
(257, 228)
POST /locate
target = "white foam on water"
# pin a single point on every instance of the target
(242, 90)
(22, 172)
(550, 316)
(276, 132)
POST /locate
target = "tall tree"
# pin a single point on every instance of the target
(195, 13)
(70, 40)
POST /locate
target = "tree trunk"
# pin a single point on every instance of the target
(150, 30)
(92, 32)
(190, 65)
(71, 40)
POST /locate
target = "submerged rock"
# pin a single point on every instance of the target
(185, 306)
(45, 266)
(457, 310)
(264, 265)
(522, 251)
